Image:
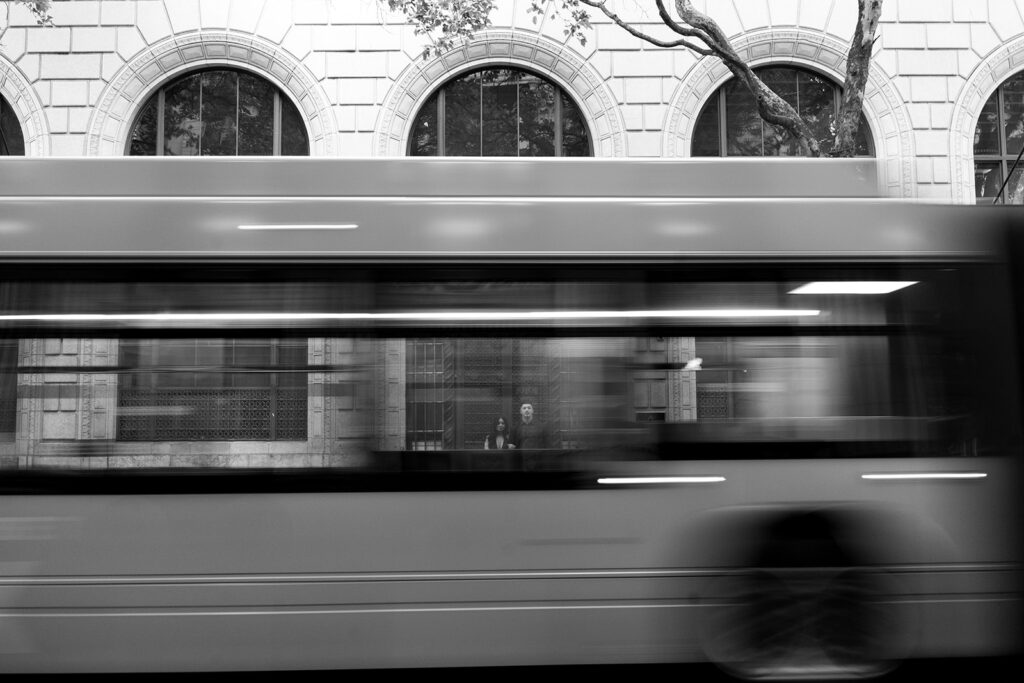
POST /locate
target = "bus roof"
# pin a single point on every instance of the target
(437, 176)
(470, 208)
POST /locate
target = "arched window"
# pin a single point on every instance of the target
(729, 124)
(12, 142)
(998, 139)
(499, 112)
(218, 112)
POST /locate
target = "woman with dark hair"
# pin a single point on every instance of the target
(499, 436)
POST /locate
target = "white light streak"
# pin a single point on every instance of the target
(853, 287)
(924, 475)
(302, 226)
(627, 481)
(412, 316)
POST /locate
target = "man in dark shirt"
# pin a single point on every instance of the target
(530, 432)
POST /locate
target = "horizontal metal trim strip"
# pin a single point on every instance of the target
(476, 575)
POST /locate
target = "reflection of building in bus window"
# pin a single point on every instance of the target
(8, 389)
(498, 438)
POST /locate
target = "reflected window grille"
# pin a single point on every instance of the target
(729, 124)
(428, 371)
(218, 112)
(713, 401)
(499, 112)
(213, 390)
(8, 389)
(998, 138)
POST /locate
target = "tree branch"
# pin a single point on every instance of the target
(770, 106)
(682, 42)
(667, 19)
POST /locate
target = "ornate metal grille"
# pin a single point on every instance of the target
(178, 401)
(713, 401)
(8, 390)
(426, 394)
(455, 389)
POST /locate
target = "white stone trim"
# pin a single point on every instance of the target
(884, 109)
(22, 97)
(553, 60)
(130, 88)
(999, 65)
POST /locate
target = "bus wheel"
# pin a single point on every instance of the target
(798, 624)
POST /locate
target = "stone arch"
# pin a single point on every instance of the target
(550, 59)
(883, 106)
(1001, 63)
(21, 96)
(131, 86)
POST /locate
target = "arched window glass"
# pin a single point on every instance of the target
(998, 139)
(219, 112)
(499, 112)
(729, 124)
(12, 142)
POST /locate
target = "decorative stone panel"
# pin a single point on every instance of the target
(132, 85)
(884, 108)
(19, 93)
(999, 65)
(553, 60)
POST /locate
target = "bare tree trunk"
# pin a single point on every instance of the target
(857, 63)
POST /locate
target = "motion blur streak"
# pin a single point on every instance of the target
(507, 421)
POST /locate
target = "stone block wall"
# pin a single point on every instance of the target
(356, 72)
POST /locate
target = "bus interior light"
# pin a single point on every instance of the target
(410, 316)
(853, 287)
(904, 476)
(301, 226)
(632, 481)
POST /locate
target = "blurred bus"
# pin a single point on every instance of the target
(243, 408)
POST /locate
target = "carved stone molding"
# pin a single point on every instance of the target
(21, 96)
(132, 85)
(999, 65)
(553, 60)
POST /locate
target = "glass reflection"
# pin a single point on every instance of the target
(998, 139)
(256, 117)
(814, 97)
(218, 112)
(1013, 114)
(913, 371)
(12, 142)
(182, 123)
(462, 117)
(499, 112)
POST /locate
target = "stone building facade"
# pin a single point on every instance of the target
(947, 76)
(356, 76)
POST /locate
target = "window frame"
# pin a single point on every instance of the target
(439, 95)
(160, 94)
(719, 96)
(1003, 158)
(150, 382)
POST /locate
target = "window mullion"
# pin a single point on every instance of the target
(278, 125)
(238, 97)
(1004, 147)
(440, 123)
(558, 122)
(199, 150)
(160, 122)
(723, 133)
